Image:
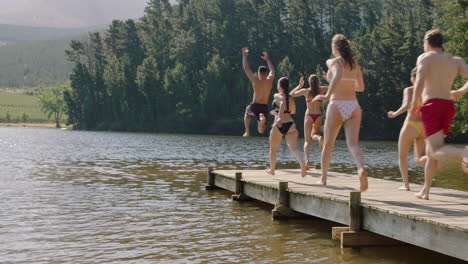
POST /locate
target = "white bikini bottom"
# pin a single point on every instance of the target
(346, 108)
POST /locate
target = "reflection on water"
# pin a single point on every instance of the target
(86, 197)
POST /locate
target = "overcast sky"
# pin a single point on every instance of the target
(68, 13)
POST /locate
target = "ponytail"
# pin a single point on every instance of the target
(343, 45)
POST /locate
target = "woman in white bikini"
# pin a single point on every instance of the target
(284, 126)
(411, 132)
(313, 115)
(346, 79)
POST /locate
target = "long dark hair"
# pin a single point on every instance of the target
(344, 47)
(314, 85)
(284, 83)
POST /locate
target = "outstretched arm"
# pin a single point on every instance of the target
(266, 57)
(298, 91)
(463, 71)
(456, 94)
(245, 63)
(404, 105)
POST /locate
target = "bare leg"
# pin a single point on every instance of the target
(437, 150)
(333, 124)
(429, 173)
(247, 119)
(291, 139)
(352, 127)
(261, 123)
(420, 156)
(316, 131)
(407, 137)
(307, 131)
(275, 141)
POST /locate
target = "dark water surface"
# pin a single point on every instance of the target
(88, 197)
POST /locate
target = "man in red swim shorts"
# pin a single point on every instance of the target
(434, 79)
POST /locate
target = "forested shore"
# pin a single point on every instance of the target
(179, 68)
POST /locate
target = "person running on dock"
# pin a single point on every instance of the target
(313, 114)
(262, 84)
(346, 79)
(411, 133)
(284, 126)
(434, 79)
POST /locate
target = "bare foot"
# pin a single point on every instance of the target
(303, 171)
(322, 181)
(307, 165)
(404, 188)
(422, 195)
(271, 172)
(321, 143)
(246, 134)
(262, 124)
(363, 180)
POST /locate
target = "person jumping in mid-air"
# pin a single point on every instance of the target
(262, 84)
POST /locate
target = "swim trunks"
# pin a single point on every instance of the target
(437, 114)
(255, 109)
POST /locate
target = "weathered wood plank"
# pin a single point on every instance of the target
(440, 224)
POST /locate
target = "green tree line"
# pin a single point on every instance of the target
(178, 69)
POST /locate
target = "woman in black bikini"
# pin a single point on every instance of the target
(284, 126)
(313, 115)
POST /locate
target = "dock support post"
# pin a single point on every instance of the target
(211, 180)
(239, 195)
(353, 236)
(282, 210)
(355, 211)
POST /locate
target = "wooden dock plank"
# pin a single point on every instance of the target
(440, 224)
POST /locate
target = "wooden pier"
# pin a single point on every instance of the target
(381, 216)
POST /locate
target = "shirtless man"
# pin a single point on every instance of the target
(434, 79)
(262, 84)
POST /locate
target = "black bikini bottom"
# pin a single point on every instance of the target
(285, 127)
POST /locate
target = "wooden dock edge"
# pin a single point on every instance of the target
(397, 229)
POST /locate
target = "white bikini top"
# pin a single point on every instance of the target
(330, 74)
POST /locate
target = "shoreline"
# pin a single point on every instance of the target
(45, 125)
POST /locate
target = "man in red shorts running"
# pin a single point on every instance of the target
(434, 79)
(262, 83)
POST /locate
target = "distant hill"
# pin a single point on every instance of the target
(14, 33)
(71, 13)
(35, 63)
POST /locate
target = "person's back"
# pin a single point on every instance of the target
(262, 89)
(442, 69)
(349, 82)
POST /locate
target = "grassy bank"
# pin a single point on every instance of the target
(20, 106)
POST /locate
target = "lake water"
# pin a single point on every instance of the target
(91, 197)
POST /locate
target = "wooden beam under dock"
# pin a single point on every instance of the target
(383, 215)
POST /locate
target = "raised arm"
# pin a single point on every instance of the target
(419, 83)
(360, 80)
(407, 96)
(266, 57)
(245, 63)
(298, 91)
